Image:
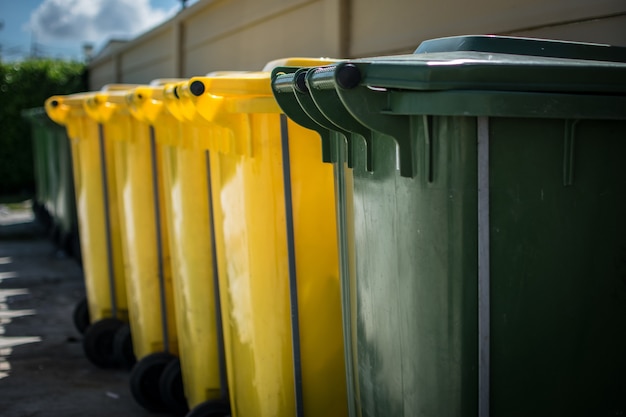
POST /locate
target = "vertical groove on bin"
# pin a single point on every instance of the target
(107, 219)
(569, 152)
(216, 288)
(293, 284)
(159, 240)
(483, 268)
(346, 296)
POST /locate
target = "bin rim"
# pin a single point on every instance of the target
(74, 100)
(470, 70)
(298, 62)
(147, 103)
(63, 108)
(178, 104)
(102, 106)
(117, 87)
(519, 45)
(34, 112)
(159, 82)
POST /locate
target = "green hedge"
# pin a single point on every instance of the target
(25, 85)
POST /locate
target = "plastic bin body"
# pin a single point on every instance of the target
(186, 196)
(185, 170)
(39, 165)
(53, 180)
(97, 208)
(65, 198)
(51, 168)
(277, 254)
(413, 244)
(481, 231)
(547, 324)
(53, 171)
(144, 235)
(49, 178)
(46, 168)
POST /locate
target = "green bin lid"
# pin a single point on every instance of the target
(524, 46)
(471, 70)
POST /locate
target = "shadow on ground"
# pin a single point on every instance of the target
(43, 371)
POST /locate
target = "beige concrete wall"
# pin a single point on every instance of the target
(103, 73)
(149, 56)
(608, 30)
(226, 35)
(400, 25)
(245, 34)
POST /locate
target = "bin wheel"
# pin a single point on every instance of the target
(211, 408)
(123, 347)
(171, 387)
(98, 342)
(144, 381)
(81, 316)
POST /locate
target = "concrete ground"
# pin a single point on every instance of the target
(43, 371)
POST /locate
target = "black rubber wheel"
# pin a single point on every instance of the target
(172, 390)
(123, 347)
(81, 316)
(144, 381)
(211, 408)
(98, 342)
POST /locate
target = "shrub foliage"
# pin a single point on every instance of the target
(25, 85)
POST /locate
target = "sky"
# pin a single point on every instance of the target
(60, 28)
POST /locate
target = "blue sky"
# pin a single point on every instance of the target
(59, 28)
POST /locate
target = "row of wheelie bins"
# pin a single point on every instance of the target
(435, 234)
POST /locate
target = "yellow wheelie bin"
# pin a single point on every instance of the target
(105, 309)
(145, 243)
(187, 197)
(276, 248)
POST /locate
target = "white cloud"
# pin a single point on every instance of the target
(94, 20)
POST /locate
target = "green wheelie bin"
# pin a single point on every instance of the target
(480, 210)
(40, 168)
(54, 183)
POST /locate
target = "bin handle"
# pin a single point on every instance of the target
(211, 109)
(329, 104)
(284, 93)
(142, 104)
(100, 108)
(59, 111)
(370, 105)
(282, 79)
(367, 106)
(307, 104)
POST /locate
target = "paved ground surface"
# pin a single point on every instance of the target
(43, 371)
